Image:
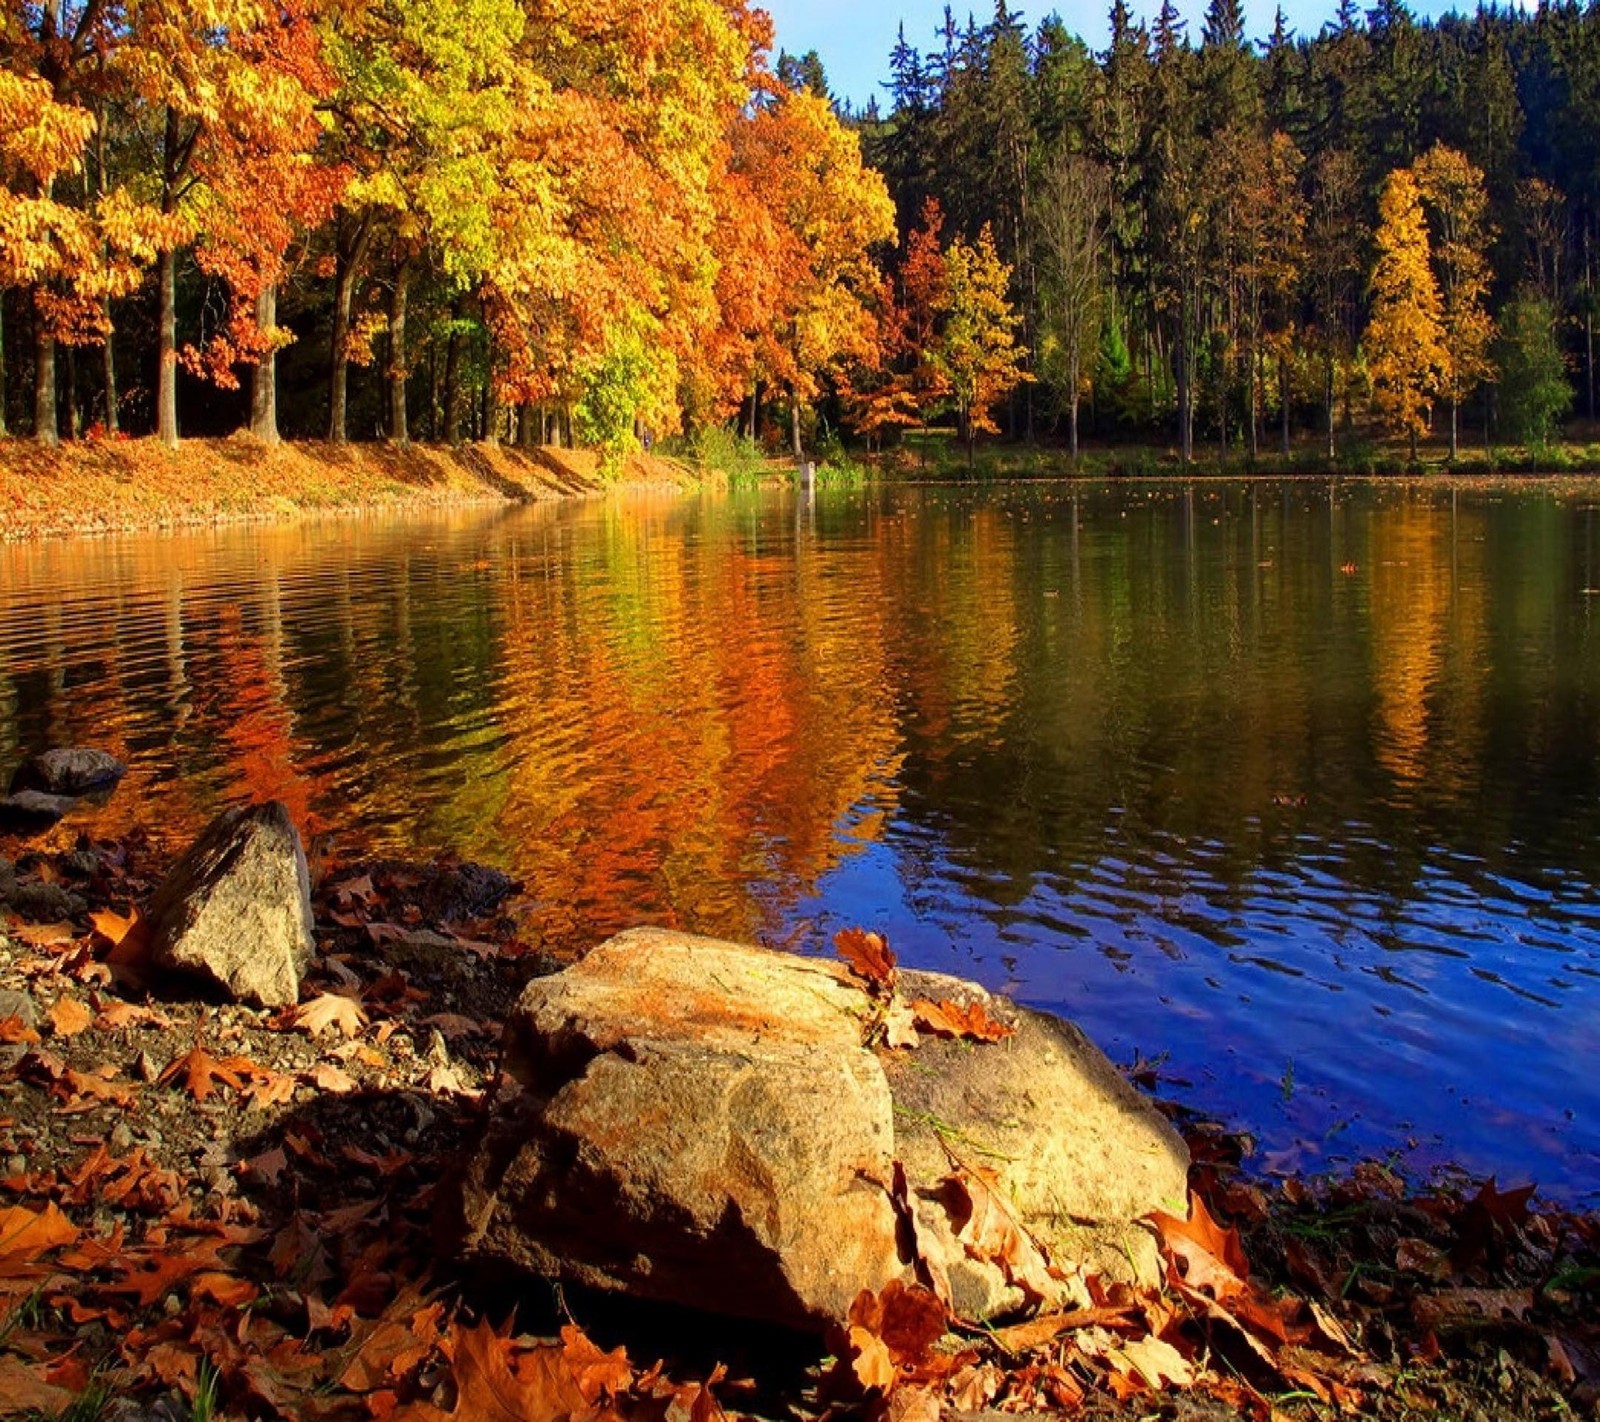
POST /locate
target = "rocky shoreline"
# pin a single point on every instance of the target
(224, 1195)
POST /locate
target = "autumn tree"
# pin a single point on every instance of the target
(977, 349)
(1453, 194)
(1406, 336)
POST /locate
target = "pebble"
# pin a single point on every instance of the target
(17, 1165)
(121, 1137)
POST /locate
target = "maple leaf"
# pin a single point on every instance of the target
(200, 1072)
(972, 1022)
(868, 956)
(68, 1017)
(329, 1009)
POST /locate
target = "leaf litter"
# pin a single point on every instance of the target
(197, 1197)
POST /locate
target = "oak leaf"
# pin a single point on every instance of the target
(948, 1019)
(327, 1077)
(869, 957)
(1156, 1361)
(489, 1390)
(989, 1229)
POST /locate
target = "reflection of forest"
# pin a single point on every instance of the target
(648, 708)
(1263, 670)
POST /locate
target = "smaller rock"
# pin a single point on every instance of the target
(121, 1137)
(17, 1165)
(30, 811)
(237, 907)
(20, 1005)
(42, 903)
(72, 771)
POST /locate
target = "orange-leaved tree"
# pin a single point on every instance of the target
(826, 209)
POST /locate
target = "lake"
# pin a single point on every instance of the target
(1292, 790)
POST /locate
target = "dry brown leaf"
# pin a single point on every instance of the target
(24, 1387)
(200, 1072)
(1156, 1361)
(948, 1019)
(26, 1234)
(989, 1229)
(871, 1362)
(329, 1009)
(598, 1375)
(42, 935)
(15, 1032)
(68, 1017)
(1213, 1257)
(868, 956)
(327, 1077)
(488, 1390)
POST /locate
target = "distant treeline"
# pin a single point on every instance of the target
(1214, 237)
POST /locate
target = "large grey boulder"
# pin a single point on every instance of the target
(237, 907)
(701, 1123)
(73, 770)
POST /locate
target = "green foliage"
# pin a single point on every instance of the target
(1534, 390)
(718, 450)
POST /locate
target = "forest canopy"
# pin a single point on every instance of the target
(541, 220)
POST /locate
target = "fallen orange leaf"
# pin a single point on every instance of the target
(200, 1071)
(948, 1019)
(68, 1017)
(868, 956)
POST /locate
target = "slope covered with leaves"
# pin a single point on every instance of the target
(117, 485)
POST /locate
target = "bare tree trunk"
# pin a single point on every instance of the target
(45, 430)
(2, 365)
(352, 248)
(74, 411)
(1455, 421)
(794, 425)
(399, 428)
(264, 377)
(108, 353)
(167, 374)
(1332, 445)
(108, 358)
(167, 322)
(452, 385)
(1283, 401)
(492, 417)
(527, 425)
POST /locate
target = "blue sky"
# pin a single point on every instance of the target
(854, 37)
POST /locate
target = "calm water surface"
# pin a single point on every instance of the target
(1295, 788)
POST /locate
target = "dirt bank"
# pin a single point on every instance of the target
(121, 485)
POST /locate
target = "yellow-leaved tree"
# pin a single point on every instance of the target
(1453, 192)
(1405, 340)
(977, 350)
